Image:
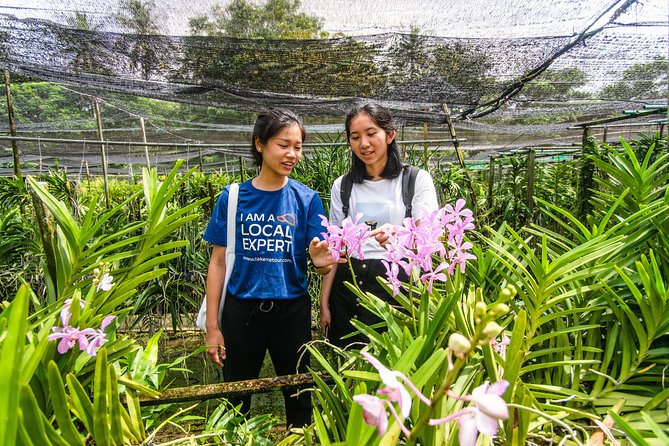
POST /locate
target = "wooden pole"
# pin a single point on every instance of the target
(606, 130)
(491, 182)
(232, 389)
(241, 169)
(426, 146)
(146, 148)
(530, 182)
(461, 159)
(12, 127)
(103, 153)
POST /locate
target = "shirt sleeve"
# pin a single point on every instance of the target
(425, 196)
(217, 229)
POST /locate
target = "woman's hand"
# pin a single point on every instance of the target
(216, 344)
(382, 233)
(321, 256)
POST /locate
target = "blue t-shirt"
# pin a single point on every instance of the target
(273, 232)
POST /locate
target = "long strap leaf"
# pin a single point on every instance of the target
(11, 357)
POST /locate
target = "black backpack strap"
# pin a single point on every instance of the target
(345, 192)
(408, 187)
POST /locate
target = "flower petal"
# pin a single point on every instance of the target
(492, 406)
(468, 432)
(485, 424)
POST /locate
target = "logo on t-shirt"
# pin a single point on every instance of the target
(267, 233)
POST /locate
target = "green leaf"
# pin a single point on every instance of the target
(81, 404)
(632, 433)
(101, 420)
(11, 357)
(60, 406)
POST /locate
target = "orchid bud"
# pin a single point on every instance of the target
(499, 310)
(491, 330)
(459, 344)
(480, 310)
(508, 292)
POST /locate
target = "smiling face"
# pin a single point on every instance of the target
(282, 151)
(369, 143)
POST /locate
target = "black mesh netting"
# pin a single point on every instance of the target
(527, 86)
(411, 73)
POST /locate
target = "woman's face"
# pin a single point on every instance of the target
(282, 152)
(369, 142)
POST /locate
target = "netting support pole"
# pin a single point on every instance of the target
(241, 169)
(491, 182)
(461, 159)
(606, 131)
(661, 130)
(12, 127)
(530, 183)
(103, 153)
(146, 148)
(426, 145)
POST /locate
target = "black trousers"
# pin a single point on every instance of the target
(251, 327)
(344, 304)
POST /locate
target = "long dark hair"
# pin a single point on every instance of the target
(382, 118)
(269, 122)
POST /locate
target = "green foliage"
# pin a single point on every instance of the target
(556, 85)
(640, 81)
(588, 329)
(275, 19)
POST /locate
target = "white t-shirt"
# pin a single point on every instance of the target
(381, 202)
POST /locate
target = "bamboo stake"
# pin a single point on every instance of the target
(530, 183)
(146, 148)
(103, 153)
(12, 126)
(491, 182)
(426, 145)
(461, 158)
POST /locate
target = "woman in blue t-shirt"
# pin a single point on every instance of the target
(266, 304)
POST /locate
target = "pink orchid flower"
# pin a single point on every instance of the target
(69, 337)
(457, 213)
(483, 416)
(395, 390)
(373, 412)
(351, 236)
(431, 276)
(65, 313)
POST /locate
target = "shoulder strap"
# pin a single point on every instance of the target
(408, 187)
(233, 198)
(345, 192)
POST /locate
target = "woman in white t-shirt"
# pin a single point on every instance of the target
(376, 174)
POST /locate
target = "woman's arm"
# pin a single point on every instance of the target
(328, 280)
(215, 280)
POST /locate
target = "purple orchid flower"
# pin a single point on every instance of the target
(69, 337)
(351, 236)
(431, 276)
(65, 313)
(483, 416)
(373, 411)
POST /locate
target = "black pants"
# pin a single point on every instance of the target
(253, 326)
(344, 304)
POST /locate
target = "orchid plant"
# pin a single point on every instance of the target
(429, 250)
